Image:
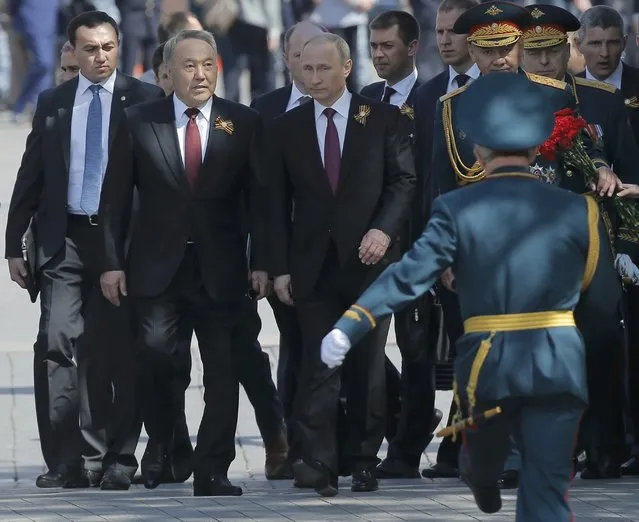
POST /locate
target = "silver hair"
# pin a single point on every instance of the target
(190, 34)
(66, 48)
(340, 44)
(600, 16)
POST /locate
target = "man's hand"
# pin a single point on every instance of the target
(335, 346)
(18, 271)
(283, 289)
(628, 191)
(259, 282)
(448, 279)
(607, 182)
(373, 246)
(113, 284)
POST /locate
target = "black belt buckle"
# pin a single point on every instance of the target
(93, 220)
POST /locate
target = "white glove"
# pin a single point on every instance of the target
(335, 346)
(627, 269)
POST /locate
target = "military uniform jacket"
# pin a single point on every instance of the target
(453, 161)
(515, 246)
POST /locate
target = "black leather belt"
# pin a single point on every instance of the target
(91, 220)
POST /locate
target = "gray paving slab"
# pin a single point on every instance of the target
(264, 501)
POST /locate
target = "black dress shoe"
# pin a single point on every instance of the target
(152, 464)
(177, 467)
(602, 467)
(316, 475)
(440, 470)
(364, 481)
(509, 479)
(216, 486)
(51, 479)
(86, 479)
(115, 479)
(630, 468)
(397, 469)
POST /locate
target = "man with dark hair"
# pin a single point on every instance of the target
(394, 40)
(460, 70)
(602, 40)
(58, 187)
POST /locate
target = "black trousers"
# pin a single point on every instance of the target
(85, 411)
(246, 45)
(448, 452)
(217, 326)
(289, 362)
(317, 401)
(632, 326)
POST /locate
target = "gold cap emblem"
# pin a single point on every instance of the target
(536, 13)
(493, 10)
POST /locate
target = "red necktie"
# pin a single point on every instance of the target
(192, 147)
(332, 153)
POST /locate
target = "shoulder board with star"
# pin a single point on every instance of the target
(551, 82)
(596, 84)
(451, 94)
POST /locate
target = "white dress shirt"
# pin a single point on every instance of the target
(402, 89)
(340, 118)
(202, 120)
(473, 73)
(295, 100)
(79, 117)
(613, 79)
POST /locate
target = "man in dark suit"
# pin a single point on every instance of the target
(270, 106)
(346, 163)
(460, 70)
(140, 19)
(59, 185)
(601, 39)
(196, 155)
(394, 39)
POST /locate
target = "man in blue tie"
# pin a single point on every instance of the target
(84, 359)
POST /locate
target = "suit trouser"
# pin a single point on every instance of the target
(76, 321)
(633, 361)
(448, 449)
(217, 326)
(289, 363)
(317, 402)
(546, 433)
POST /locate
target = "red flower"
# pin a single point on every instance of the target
(568, 126)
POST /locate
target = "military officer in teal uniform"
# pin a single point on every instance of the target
(523, 254)
(495, 31)
(546, 52)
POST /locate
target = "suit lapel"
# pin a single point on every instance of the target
(166, 133)
(308, 132)
(354, 138)
(282, 103)
(65, 112)
(218, 138)
(119, 102)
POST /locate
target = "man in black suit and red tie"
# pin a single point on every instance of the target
(346, 163)
(460, 70)
(193, 158)
(270, 106)
(84, 357)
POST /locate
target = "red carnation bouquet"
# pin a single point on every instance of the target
(567, 141)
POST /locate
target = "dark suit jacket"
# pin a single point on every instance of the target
(377, 181)
(272, 104)
(630, 91)
(170, 213)
(43, 178)
(426, 99)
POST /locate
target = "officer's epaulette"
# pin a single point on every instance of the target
(453, 93)
(595, 83)
(559, 84)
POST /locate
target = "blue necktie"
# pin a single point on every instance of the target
(92, 180)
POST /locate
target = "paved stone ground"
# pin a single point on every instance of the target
(20, 460)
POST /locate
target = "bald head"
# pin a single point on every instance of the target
(294, 41)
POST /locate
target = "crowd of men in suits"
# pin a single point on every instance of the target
(162, 212)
